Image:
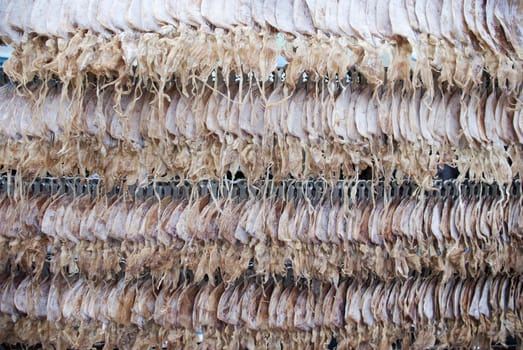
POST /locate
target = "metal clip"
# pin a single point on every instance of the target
(185, 190)
(114, 191)
(78, 187)
(505, 190)
(81, 188)
(337, 192)
(362, 191)
(348, 78)
(214, 188)
(486, 190)
(177, 192)
(443, 191)
(234, 189)
(278, 190)
(291, 191)
(3, 184)
(224, 191)
(409, 188)
(168, 189)
(243, 192)
(307, 189)
(62, 188)
(435, 193)
(298, 192)
(476, 190)
(34, 188)
(159, 190)
(304, 77)
(43, 186)
(53, 186)
(515, 189)
(141, 192)
(450, 189)
(257, 192)
(394, 190)
(133, 190)
(378, 190)
(319, 190)
(149, 191)
(465, 188)
(202, 188)
(174, 190)
(69, 185)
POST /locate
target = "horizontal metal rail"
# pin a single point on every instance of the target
(313, 190)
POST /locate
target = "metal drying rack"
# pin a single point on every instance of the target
(290, 189)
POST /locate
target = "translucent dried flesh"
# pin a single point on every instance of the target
(299, 130)
(209, 133)
(384, 232)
